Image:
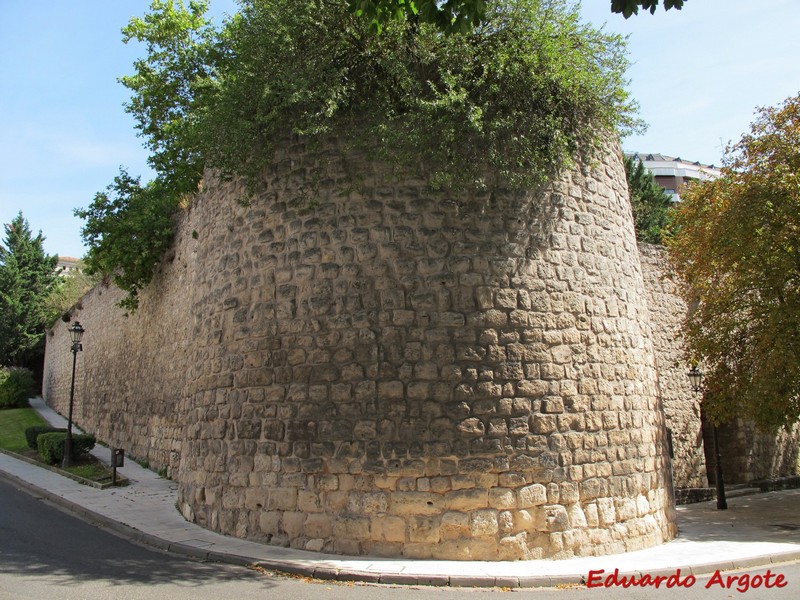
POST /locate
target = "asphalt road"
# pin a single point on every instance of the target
(46, 554)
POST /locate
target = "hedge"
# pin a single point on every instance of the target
(16, 387)
(31, 433)
(51, 446)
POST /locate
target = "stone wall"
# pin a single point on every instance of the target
(681, 404)
(751, 455)
(367, 368)
(130, 378)
(747, 453)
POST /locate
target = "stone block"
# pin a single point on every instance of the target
(318, 525)
(484, 523)
(506, 521)
(269, 522)
(543, 424)
(454, 525)
(502, 498)
(293, 524)
(282, 499)
(577, 517)
(368, 503)
(440, 485)
(531, 495)
(354, 527)
(472, 427)
(514, 547)
(309, 501)
(552, 517)
(467, 500)
(606, 511)
(415, 503)
(424, 530)
(388, 529)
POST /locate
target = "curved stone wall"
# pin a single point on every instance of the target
(371, 368)
(427, 377)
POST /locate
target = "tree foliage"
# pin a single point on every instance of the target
(631, 7)
(448, 16)
(649, 201)
(738, 249)
(71, 288)
(129, 226)
(171, 85)
(27, 276)
(128, 229)
(509, 102)
(460, 16)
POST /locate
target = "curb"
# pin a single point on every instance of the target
(289, 567)
(121, 480)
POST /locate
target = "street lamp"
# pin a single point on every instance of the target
(695, 376)
(75, 335)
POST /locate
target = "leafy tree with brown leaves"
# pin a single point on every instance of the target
(737, 248)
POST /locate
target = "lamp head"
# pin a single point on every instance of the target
(76, 333)
(695, 376)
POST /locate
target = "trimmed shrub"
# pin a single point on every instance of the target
(51, 446)
(31, 433)
(16, 387)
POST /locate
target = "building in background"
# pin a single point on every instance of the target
(68, 264)
(673, 173)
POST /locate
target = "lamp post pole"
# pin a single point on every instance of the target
(75, 334)
(696, 377)
(722, 502)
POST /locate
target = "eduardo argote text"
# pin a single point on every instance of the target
(741, 583)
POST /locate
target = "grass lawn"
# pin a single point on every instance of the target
(13, 423)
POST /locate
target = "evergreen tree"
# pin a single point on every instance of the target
(27, 276)
(649, 201)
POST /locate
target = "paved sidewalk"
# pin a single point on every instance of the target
(756, 531)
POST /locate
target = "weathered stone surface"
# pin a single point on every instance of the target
(393, 384)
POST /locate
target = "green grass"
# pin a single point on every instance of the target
(92, 471)
(13, 423)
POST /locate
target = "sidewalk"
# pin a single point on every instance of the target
(756, 531)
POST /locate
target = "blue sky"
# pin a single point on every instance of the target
(698, 75)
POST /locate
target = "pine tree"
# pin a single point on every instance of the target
(649, 201)
(27, 276)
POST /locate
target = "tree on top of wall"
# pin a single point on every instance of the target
(460, 16)
(510, 102)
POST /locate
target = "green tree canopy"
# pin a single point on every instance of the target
(72, 286)
(649, 201)
(27, 276)
(460, 16)
(738, 250)
(510, 102)
(128, 229)
(631, 7)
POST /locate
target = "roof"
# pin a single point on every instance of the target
(656, 157)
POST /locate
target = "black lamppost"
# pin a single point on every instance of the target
(695, 376)
(75, 334)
